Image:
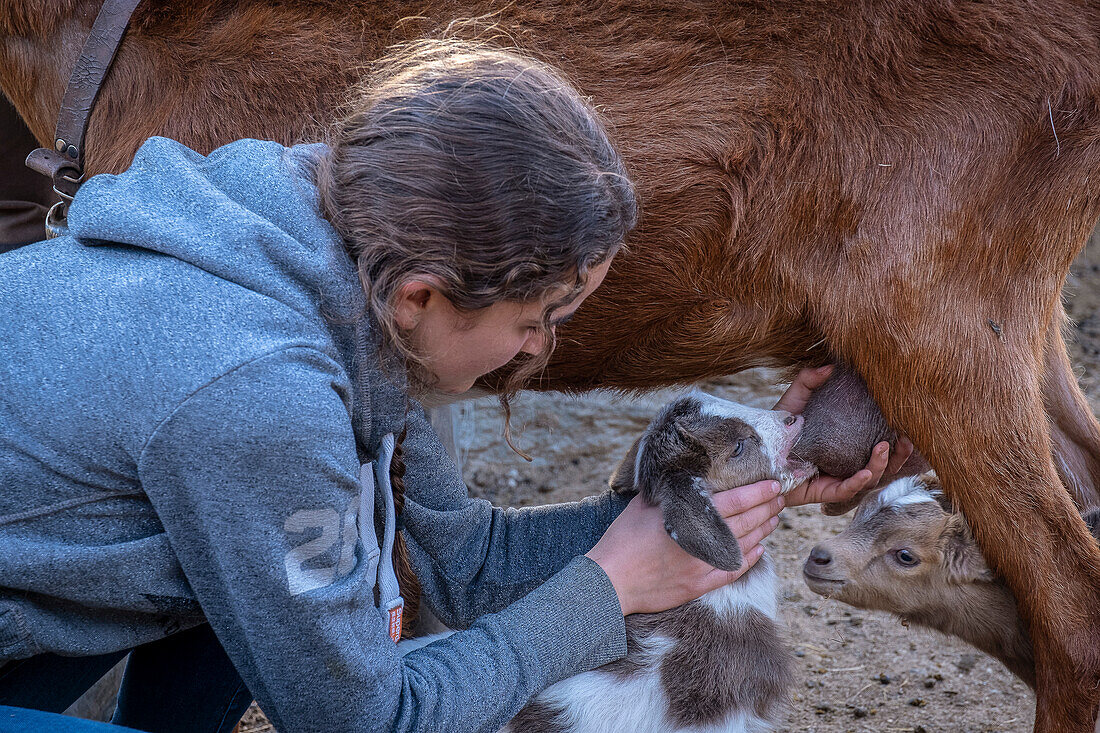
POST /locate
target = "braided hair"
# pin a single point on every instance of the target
(406, 578)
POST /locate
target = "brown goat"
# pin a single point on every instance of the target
(900, 184)
(906, 551)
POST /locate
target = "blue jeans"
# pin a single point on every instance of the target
(180, 684)
(22, 720)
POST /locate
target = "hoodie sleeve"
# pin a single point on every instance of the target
(255, 480)
(505, 552)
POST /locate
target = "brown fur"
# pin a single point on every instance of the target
(1074, 433)
(899, 184)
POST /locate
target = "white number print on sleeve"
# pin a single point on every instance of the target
(303, 575)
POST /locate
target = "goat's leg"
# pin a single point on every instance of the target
(1074, 431)
(971, 399)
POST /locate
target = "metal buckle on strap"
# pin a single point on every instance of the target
(66, 175)
(57, 220)
(69, 184)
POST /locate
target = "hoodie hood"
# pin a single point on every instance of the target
(248, 213)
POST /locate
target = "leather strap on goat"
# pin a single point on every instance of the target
(65, 162)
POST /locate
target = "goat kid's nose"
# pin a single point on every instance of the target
(820, 556)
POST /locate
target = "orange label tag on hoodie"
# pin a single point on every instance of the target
(395, 623)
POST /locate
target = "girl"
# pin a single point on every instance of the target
(208, 407)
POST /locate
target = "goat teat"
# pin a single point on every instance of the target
(843, 425)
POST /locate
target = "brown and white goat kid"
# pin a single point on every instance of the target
(908, 552)
(716, 663)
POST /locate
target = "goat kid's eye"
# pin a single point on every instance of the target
(738, 448)
(906, 558)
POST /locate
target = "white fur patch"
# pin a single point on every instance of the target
(599, 702)
(756, 590)
(902, 492)
(718, 407)
(605, 703)
(701, 486)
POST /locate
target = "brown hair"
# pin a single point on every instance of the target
(478, 166)
(484, 169)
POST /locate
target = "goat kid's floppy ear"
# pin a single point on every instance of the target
(683, 429)
(693, 521)
(690, 517)
(961, 557)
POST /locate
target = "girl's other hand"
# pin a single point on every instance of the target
(833, 490)
(652, 573)
(798, 394)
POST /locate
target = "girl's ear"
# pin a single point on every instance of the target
(413, 298)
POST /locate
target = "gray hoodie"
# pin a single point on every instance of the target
(188, 392)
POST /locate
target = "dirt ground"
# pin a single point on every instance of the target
(856, 670)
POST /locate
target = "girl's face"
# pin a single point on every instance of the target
(458, 348)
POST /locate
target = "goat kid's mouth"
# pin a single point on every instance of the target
(792, 471)
(796, 473)
(820, 584)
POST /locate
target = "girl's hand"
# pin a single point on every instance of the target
(652, 573)
(832, 490)
(798, 394)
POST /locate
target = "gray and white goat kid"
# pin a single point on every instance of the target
(716, 664)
